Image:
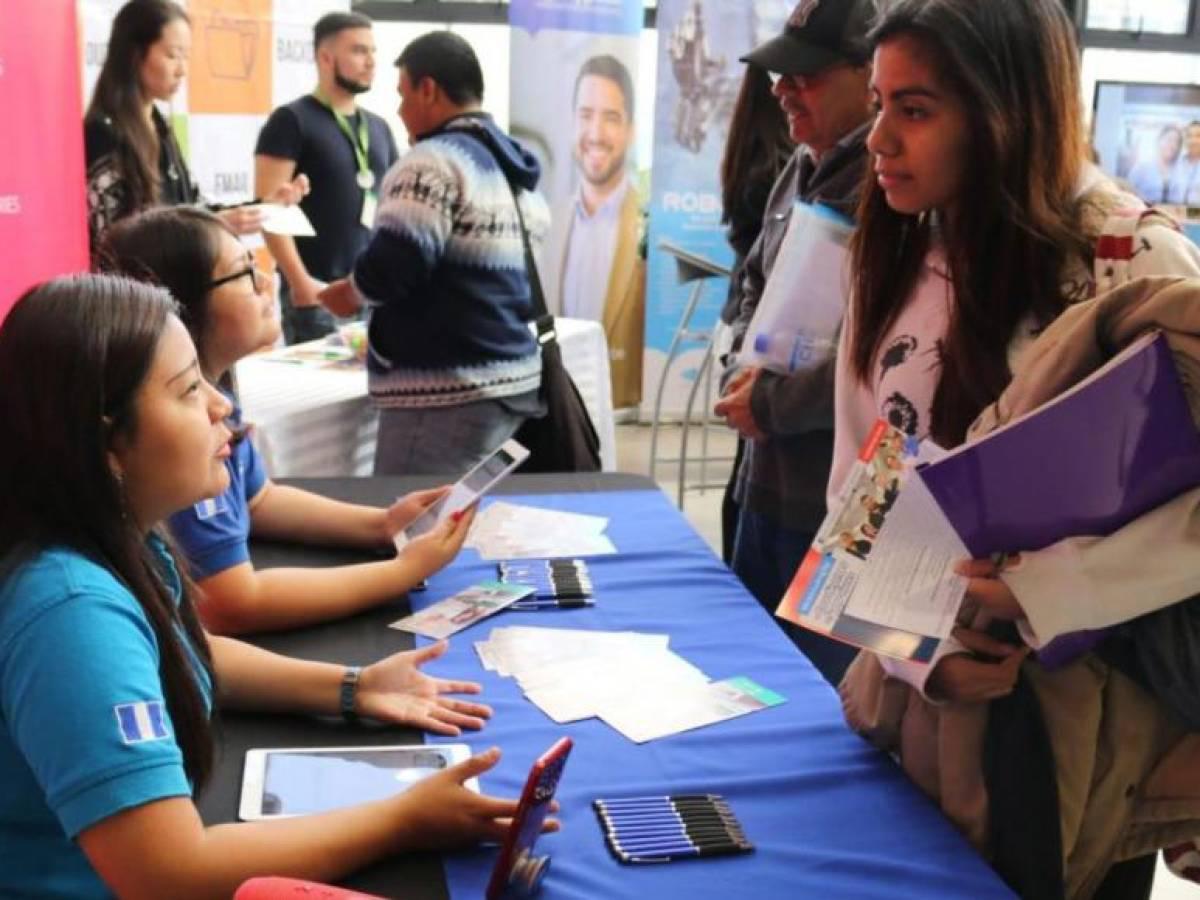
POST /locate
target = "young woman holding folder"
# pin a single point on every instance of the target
(981, 224)
(228, 307)
(107, 680)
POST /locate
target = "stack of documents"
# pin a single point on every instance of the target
(576, 674)
(508, 531)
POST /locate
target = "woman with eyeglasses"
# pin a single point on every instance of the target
(229, 309)
(107, 680)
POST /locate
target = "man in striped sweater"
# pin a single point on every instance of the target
(452, 366)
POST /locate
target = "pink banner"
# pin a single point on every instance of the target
(43, 206)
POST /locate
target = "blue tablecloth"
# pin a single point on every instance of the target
(830, 816)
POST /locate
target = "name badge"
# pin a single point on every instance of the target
(369, 207)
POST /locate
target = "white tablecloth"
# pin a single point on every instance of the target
(320, 422)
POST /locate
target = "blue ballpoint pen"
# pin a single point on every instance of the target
(531, 605)
(709, 798)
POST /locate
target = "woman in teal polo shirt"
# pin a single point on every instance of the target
(106, 677)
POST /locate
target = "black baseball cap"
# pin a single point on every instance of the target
(817, 34)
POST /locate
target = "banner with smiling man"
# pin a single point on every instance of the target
(572, 102)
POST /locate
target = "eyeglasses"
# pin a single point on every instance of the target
(805, 82)
(258, 280)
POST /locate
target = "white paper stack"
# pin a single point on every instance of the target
(630, 680)
(511, 531)
(580, 689)
(643, 716)
(519, 650)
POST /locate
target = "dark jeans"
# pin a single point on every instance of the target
(729, 506)
(766, 556)
(303, 323)
(444, 440)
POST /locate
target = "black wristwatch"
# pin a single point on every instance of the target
(349, 691)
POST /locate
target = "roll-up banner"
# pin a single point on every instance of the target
(699, 43)
(572, 84)
(43, 205)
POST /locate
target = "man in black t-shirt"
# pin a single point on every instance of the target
(345, 151)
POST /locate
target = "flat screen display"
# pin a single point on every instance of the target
(1148, 135)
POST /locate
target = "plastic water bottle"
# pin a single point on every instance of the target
(788, 352)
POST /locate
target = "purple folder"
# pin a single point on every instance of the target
(1086, 463)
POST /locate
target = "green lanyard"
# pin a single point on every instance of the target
(360, 142)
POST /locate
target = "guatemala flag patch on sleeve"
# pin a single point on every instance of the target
(213, 506)
(141, 722)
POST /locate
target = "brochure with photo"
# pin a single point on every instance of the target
(880, 572)
(452, 615)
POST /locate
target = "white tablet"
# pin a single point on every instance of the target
(477, 482)
(298, 781)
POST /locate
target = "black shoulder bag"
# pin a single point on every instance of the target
(564, 440)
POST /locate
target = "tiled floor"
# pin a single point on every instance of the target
(703, 510)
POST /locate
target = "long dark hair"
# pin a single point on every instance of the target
(759, 144)
(177, 247)
(1014, 65)
(74, 353)
(118, 94)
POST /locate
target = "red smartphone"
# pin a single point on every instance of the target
(518, 873)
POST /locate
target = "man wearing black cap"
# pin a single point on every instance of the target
(820, 69)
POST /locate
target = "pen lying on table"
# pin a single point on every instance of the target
(660, 829)
(548, 603)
